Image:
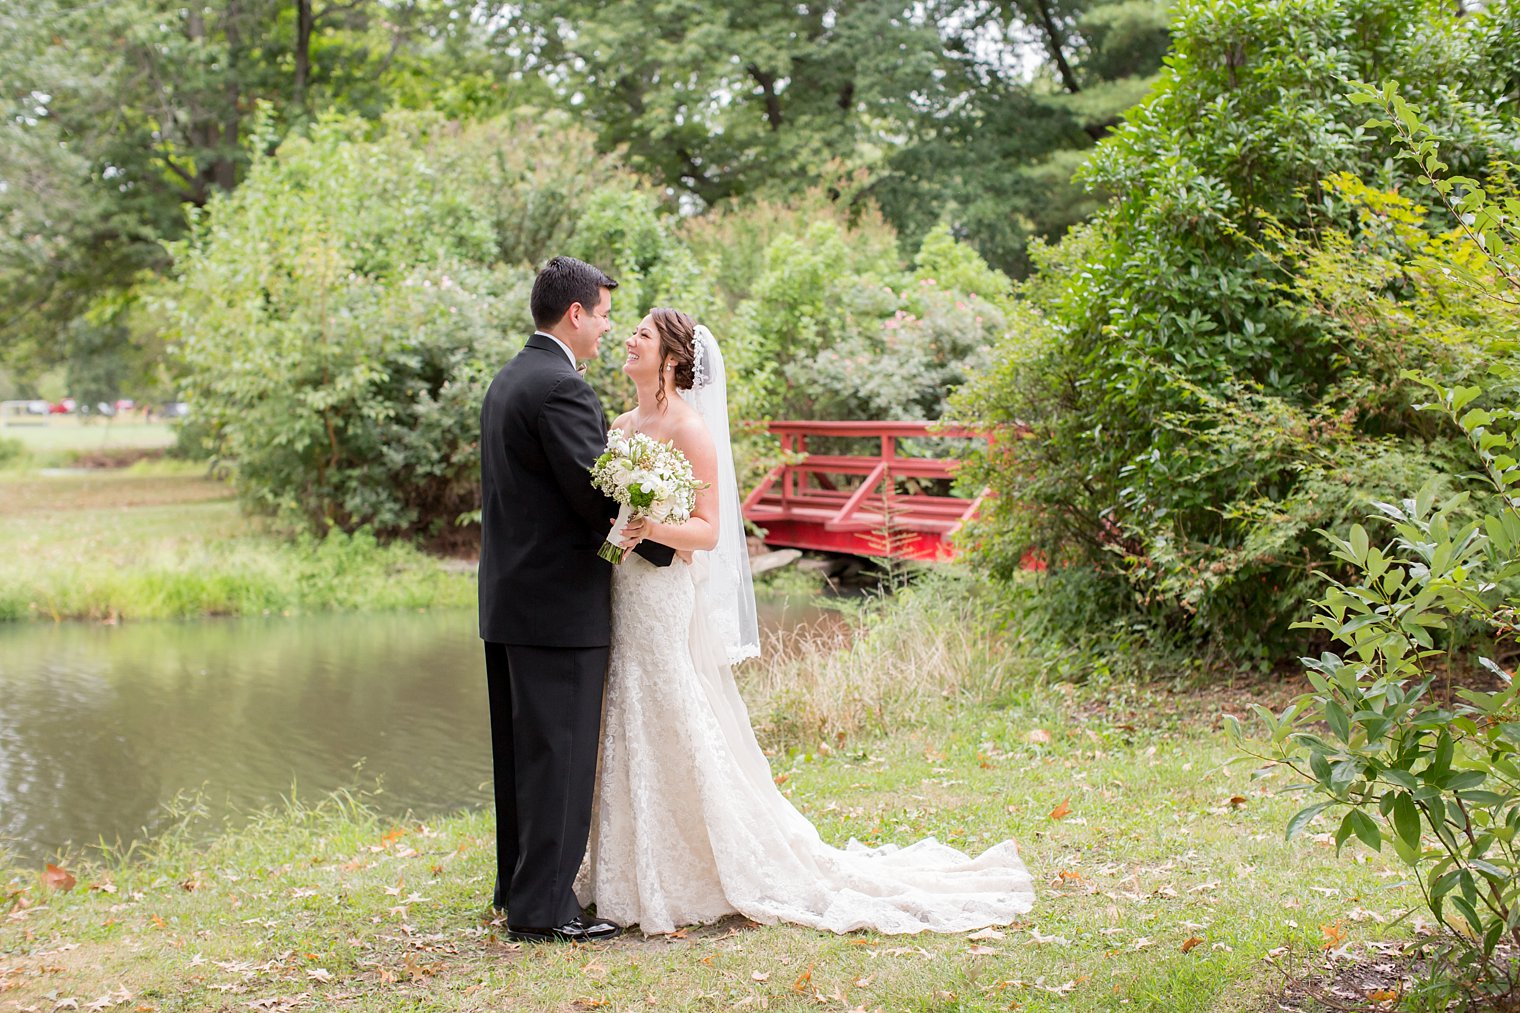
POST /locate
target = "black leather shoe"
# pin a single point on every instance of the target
(576, 930)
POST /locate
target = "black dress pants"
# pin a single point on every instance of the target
(546, 716)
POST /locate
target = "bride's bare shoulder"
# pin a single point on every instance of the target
(690, 432)
(624, 422)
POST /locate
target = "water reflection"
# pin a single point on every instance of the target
(100, 727)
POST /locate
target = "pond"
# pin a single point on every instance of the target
(102, 728)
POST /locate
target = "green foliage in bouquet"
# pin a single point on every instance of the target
(1398, 737)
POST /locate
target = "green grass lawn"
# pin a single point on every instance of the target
(1166, 886)
(64, 433)
(162, 540)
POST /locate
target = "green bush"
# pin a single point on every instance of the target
(1395, 735)
(624, 232)
(1194, 415)
(11, 451)
(336, 318)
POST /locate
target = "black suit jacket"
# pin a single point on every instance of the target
(541, 581)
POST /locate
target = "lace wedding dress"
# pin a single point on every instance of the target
(689, 826)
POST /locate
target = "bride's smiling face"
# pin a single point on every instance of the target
(643, 348)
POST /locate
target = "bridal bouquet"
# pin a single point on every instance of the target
(648, 479)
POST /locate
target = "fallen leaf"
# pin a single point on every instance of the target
(321, 974)
(1038, 938)
(1039, 736)
(800, 985)
(1189, 943)
(393, 837)
(987, 933)
(58, 878)
(782, 778)
(1236, 801)
(983, 951)
(1061, 811)
(1334, 933)
(760, 976)
(1383, 995)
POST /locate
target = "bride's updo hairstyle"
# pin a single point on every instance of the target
(677, 348)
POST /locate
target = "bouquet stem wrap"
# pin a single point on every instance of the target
(610, 550)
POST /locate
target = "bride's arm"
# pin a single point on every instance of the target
(701, 531)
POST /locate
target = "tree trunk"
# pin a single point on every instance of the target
(1056, 43)
(306, 23)
(224, 169)
(767, 83)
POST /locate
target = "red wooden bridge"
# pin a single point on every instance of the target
(877, 504)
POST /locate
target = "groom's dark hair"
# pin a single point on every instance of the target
(563, 281)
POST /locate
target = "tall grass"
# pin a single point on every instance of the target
(899, 658)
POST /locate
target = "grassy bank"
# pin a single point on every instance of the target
(59, 441)
(1163, 879)
(163, 540)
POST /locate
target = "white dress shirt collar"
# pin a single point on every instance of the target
(563, 347)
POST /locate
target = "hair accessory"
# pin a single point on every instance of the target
(700, 336)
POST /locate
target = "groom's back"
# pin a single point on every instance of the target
(541, 581)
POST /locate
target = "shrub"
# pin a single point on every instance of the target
(337, 317)
(11, 451)
(1436, 775)
(1194, 417)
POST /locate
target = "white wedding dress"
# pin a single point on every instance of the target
(690, 827)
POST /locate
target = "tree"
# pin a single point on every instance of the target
(1035, 84)
(122, 115)
(969, 113)
(720, 100)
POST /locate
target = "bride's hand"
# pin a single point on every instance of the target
(634, 532)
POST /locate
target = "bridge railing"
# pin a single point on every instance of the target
(851, 502)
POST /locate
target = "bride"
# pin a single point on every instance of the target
(688, 825)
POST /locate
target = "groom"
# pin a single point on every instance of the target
(545, 602)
